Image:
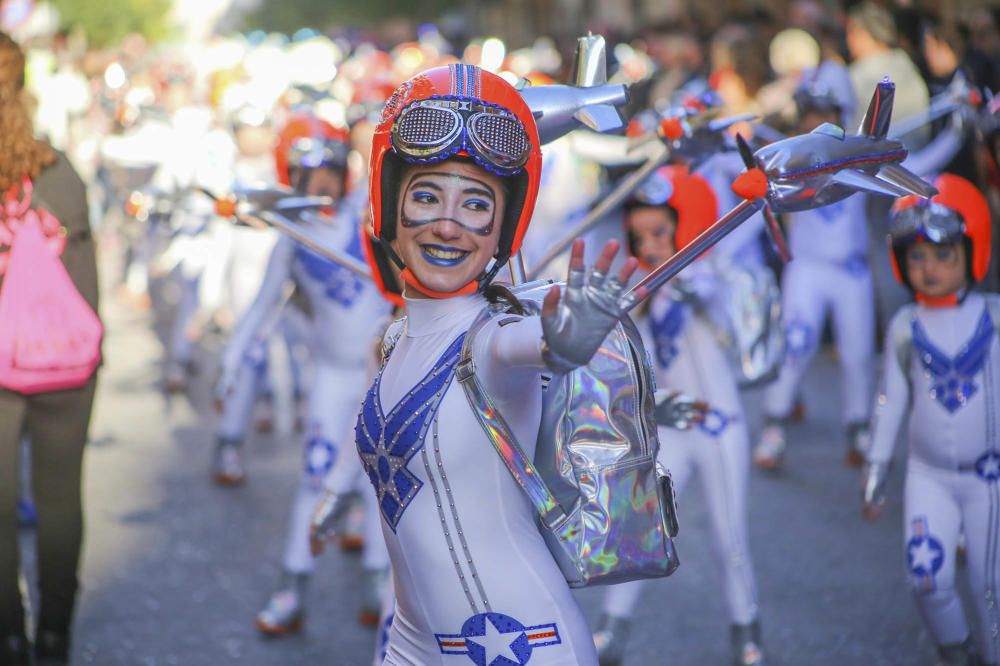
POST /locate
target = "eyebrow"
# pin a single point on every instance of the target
(484, 189)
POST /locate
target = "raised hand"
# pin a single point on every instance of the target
(575, 324)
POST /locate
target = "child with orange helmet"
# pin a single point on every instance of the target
(666, 214)
(942, 376)
(345, 315)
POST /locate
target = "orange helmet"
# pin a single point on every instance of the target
(457, 110)
(308, 142)
(689, 194)
(957, 211)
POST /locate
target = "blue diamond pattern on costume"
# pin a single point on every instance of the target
(952, 378)
(666, 330)
(339, 284)
(386, 443)
(495, 639)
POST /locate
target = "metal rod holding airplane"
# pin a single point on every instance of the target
(614, 198)
(683, 258)
(518, 274)
(266, 218)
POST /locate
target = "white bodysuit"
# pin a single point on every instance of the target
(948, 392)
(687, 357)
(472, 576)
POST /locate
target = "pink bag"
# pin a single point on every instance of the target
(50, 337)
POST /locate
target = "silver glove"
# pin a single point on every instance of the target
(589, 308)
(329, 512)
(679, 410)
(875, 476)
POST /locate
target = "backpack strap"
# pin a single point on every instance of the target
(392, 335)
(501, 436)
(901, 336)
(993, 307)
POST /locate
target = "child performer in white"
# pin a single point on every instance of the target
(346, 313)
(671, 210)
(942, 376)
(829, 274)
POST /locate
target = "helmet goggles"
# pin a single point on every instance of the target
(315, 153)
(434, 129)
(928, 220)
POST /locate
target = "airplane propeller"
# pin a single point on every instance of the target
(774, 231)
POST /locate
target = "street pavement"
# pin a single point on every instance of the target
(175, 568)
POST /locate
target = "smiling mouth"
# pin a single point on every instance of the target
(440, 255)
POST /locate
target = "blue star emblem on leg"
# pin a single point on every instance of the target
(495, 639)
(799, 339)
(320, 456)
(924, 554)
(988, 466)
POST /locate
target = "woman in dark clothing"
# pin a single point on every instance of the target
(55, 421)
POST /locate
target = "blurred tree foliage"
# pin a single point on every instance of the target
(287, 16)
(106, 22)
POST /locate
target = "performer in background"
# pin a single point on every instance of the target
(941, 376)
(829, 275)
(672, 208)
(345, 314)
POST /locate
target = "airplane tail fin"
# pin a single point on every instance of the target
(876, 122)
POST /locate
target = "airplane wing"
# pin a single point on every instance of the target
(863, 182)
(600, 117)
(906, 179)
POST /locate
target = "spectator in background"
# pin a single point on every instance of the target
(944, 50)
(983, 41)
(679, 58)
(871, 41)
(739, 68)
(55, 421)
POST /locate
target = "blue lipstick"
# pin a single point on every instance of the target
(432, 255)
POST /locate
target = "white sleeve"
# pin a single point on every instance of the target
(267, 299)
(892, 402)
(933, 157)
(611, 149)
(510, 341)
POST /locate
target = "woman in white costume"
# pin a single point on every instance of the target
(454, 177)
(671, 209)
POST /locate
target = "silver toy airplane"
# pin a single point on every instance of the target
(589, 102)
(805, 172)
(827, 165)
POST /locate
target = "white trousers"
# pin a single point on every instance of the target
(940, 505)
(811, 290)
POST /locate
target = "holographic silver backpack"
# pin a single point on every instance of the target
(605, 508)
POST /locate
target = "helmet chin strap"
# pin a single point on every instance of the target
(948, 301)
(408, 277)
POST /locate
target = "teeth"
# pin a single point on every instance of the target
(444, 254)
